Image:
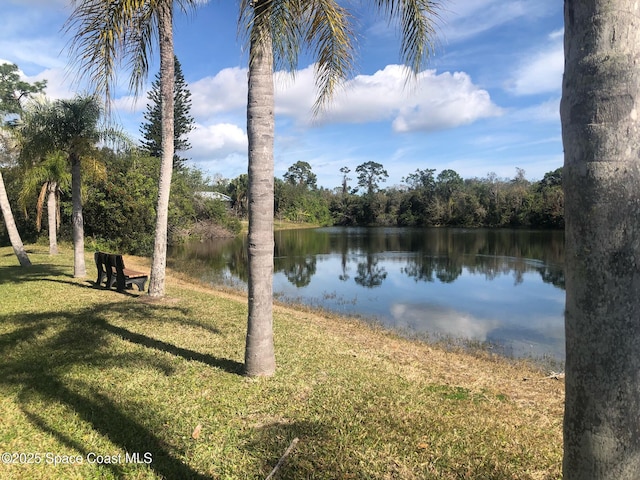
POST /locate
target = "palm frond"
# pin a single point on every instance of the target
(417, 23)
(98, 29)
(322, 26)
(138, 45)
(330, 36)
(107, 35)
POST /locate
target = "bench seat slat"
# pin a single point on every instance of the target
(133, 274)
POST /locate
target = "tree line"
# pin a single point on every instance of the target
(423, 200)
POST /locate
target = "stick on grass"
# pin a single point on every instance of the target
(287, 452)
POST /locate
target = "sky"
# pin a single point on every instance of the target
(487, 101)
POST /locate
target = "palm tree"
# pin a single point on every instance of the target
(106, 30)
(601, 138)
(73, 127)
(277, 29)
(50, 177)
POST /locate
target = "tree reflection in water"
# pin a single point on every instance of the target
(503, 286)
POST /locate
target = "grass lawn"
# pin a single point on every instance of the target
(98, 384)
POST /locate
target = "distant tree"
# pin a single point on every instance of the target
(238, 189)
(417, 205)
(552, 179)
(151, 130)
(345, 179)
(547, 209)
(518, 198)
(370, 174)
(14, 92)
(421, 179)
(447, 182)
(300, 174)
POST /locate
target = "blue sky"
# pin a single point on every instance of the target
(487, 101)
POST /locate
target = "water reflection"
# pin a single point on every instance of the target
(499, 286)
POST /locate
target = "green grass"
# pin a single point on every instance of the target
(87, 372)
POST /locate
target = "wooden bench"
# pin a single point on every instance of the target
(112, 272)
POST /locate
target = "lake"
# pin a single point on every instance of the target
(500, 288)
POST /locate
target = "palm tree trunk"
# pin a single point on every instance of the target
(159, 260)
(259, 352)
(79, 268)
(601, 137)
(52, 214)
(14, 236)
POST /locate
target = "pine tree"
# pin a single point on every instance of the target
(151, 130)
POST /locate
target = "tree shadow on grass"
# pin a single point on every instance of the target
(36, 272)
(42, 424)
(229, 366)
(36, 357)
(120, 428)
(270, 442)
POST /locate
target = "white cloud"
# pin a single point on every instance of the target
(542, 71)
(557, 34)
(224, 92)
(38, 51)
(295, 94)
(430, 102)
(217, 141)
(445, 101)
(31, 34)
(59, 83)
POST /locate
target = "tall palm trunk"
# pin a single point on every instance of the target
(159, 260)
(601, 136)
(52, 217)
(14, 236)
(77, 222)
(259, 352)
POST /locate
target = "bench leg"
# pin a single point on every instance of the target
(140, 282)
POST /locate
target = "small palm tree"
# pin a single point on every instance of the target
(74, 128)
(50, 177)
(276, 30)
(103, 32)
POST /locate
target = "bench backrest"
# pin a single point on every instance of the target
(101, 265)
(116, 263)
(108, 265)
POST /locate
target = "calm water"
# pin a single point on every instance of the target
(502, 287)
